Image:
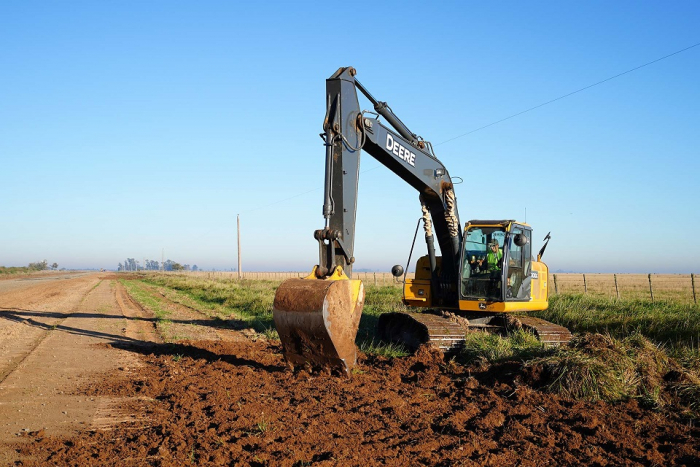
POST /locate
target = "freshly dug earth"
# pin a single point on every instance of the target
(236, 403)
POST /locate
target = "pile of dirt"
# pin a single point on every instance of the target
(236, 403)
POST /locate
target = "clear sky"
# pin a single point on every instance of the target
(128, 128)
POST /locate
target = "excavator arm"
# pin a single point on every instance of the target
(317, 317)
(347, 132)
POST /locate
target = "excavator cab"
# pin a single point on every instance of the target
(497, 270)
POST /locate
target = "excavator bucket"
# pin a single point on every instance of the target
(317, 321)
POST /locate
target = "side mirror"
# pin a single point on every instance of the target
(520, 240)
(397, 271)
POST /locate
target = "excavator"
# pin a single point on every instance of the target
(484, 274)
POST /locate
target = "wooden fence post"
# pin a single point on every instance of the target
(651, 290)
(692, 281)
(556, 288)
(585, 287)
(375, 279)
(617, 291)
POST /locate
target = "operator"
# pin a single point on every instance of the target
(494, 260)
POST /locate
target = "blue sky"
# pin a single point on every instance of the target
(127, 128)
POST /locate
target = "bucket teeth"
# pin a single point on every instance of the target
(317, 321)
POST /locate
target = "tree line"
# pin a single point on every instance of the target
(42, 265)
(131, 264)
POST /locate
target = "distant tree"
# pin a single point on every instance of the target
(39, 265)
(130, 264)
(54, 266)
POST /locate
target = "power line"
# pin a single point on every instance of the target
(569, 94)
(512, 116)
(490, 124)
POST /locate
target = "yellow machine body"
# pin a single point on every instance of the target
(418, 292)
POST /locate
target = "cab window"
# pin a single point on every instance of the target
(477, 281)
(518, 268)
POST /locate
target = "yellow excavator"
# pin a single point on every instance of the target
(484, 274)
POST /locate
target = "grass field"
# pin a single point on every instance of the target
(15, 270)
(670, 287)
(638, 341)
(674, 287)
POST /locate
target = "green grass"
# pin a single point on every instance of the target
(601, 367)
(383, 349)
(671, 323)
(141, 295)
(378, 300)
(492, 348)
(247, 300)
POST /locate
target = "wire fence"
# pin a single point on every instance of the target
(654, 287)
(372, 278)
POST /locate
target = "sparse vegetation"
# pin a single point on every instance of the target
(250, 301)
(142, 296)
(32, 267)
(485, 347)
(247, 301)
(384, 349)
(14, 270)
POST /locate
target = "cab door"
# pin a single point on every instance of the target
(518, 264)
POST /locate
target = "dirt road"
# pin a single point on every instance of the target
(86, 379)
(52, 331)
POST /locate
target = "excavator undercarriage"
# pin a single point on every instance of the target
(446, 330)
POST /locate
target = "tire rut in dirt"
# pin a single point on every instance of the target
(188, 323)
(140, 323)
(44, 392)
(26, 328)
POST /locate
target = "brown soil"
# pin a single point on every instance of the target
(235, 402)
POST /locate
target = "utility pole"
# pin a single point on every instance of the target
(238, 225)
(162, 260)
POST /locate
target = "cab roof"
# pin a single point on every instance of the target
(495, 223)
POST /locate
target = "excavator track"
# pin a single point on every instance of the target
(415, 329)
(446, 331)
(546, 332)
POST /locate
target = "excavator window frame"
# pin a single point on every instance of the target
(507, 228)
(526, 260)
